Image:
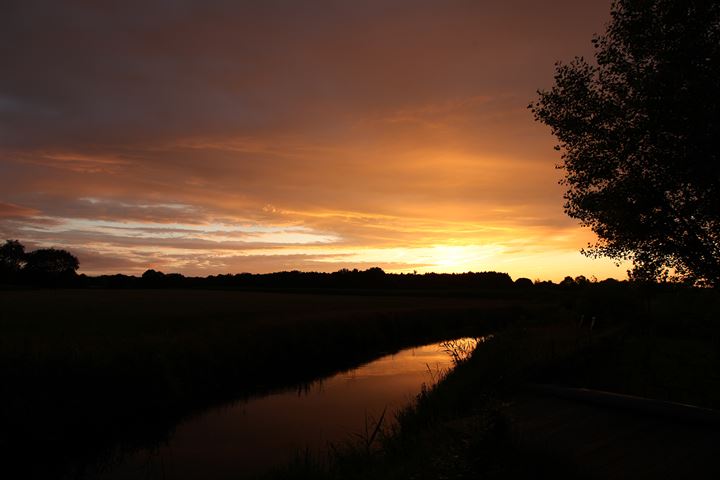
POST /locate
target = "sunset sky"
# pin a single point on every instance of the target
(209, 137)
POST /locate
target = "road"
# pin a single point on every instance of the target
(616, 439)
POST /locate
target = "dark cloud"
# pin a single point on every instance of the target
(101, 72)
(11, 211)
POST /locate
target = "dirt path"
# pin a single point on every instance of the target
(604, 441)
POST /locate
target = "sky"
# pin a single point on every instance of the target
(208, 137)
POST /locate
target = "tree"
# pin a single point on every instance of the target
(152, 275)
(638, 130)
(523, 282)
(581, 280)
(51, 262)
(12, 258)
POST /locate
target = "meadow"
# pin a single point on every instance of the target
(87, 373)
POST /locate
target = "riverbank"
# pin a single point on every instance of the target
(480, 421)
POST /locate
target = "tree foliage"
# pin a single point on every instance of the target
(12, 258)
(639, 130)
(51, 262)
(45, 264)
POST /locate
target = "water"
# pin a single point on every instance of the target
(253, 436)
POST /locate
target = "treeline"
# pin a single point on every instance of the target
(372, 278)
(53, 267)
(42, 266)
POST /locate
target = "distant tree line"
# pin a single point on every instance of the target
(372, 278)
(43, 266)
(55, 267)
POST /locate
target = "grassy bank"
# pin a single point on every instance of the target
(457, 428)
(86, 370)
(659, 345)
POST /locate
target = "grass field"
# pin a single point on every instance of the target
(85, 370)
(85, 373)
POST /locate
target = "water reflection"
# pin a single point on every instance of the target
(251, 436)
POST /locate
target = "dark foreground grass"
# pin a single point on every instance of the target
(84, 373)
(664, 346)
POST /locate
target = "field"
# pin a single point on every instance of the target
(89, 374)
(88, 371)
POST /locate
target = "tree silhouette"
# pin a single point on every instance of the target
(639, 134)
(12, 259)
(50, 263)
